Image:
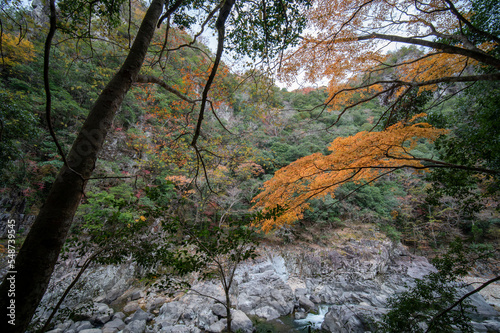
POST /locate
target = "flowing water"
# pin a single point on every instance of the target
(312, 320)
(288, 324)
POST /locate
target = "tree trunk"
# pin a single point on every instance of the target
(27, 281)
(228, 311)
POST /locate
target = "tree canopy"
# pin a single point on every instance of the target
(348, 40)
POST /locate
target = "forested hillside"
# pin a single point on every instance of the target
(130, 140)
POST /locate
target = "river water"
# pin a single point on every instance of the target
(288, 324)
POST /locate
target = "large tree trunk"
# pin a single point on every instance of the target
(34, 264)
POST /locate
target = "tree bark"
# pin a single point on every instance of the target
(27, 281)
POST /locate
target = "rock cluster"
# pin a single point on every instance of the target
(355, 280)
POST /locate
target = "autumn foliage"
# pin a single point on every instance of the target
(348, 45)
(14, 50)
(361, 158)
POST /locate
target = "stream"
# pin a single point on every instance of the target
(288, 324)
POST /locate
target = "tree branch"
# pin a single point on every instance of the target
(441, 164)
(169, 12)
(164, 85)
(484, 285)
(455, 12)
(220, 25)
(479, 56)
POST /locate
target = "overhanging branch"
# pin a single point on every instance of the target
(484, 285)
(479, 56)
(164, 85)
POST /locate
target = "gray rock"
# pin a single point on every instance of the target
(103, 308)
(484, 310)
(478, 327)
(300, 315)
(115, 323)
(180, 329)
(219, 310)
(315, 299)
(341, 319)
(492, 325)
(113, 294)
(101, 318)
(119, 315)
(109, 330)
(206, 318)
(82, 325)
(267, 312)
(248, 303)
(136, 295)
(56, 330)
(66, 325)
(156, 303)
(300, 292)
(218, 326)
(266, 290)
(240, 322)
(136, 326)
(91, 330)
(131, 306)
(305, 303)
(140, 314)
(188, 316)
(171, 312)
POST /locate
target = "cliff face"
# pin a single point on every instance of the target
(355, 279)
(13, 207)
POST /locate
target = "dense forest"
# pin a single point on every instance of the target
(127, 136)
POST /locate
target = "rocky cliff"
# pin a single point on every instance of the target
(354, 279)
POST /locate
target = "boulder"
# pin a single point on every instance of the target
(119, 315)
(82, 325)
(136, 295)
(306, 304)
(219, 310)
(265, 295)
(140, 314)
(267, 312)
(115, 323)
(341, 319)
(171, 312)
(218, 326)
(155, 303)
(110, 330)
(240, 322)
(131, 306)
(65, 326)
(179, 329)
(136, 326)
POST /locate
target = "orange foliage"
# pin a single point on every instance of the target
(338, 47)
(359, 158)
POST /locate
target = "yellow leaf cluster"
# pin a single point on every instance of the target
(15, 50)
(359, 158)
